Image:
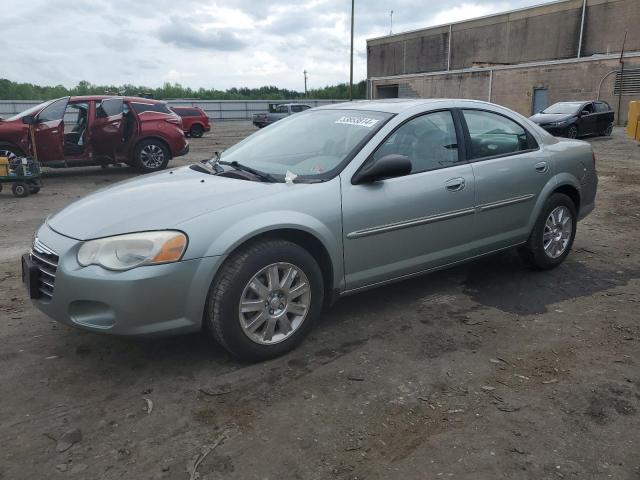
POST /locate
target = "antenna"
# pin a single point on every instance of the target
(391, 23)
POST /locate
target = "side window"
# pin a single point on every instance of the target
(298, 108)
(109, 107)
(602, 107)
(55, 111)
(151, 107)
(492, 134)
(588, 107)
(282, 109)
(429, 141)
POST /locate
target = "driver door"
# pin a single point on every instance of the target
(403, 225)
(107, 127)
(48, 132)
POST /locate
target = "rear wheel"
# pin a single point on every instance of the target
(265, 300)
(607, 131)
(572, 132)
(196, 131)
(151, 156)
(20, 189)
(552, 235)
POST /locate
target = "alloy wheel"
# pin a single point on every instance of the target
(557, 232)
(572, 132)
(274, 303)
(151, 156)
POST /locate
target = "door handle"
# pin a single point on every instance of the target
(542, 167)
(455, 184)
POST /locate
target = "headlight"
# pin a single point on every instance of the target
(559, 124)
(124, 252)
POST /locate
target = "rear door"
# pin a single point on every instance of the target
(48, 132)
(107, 127)
(510, 171)
(605, 116)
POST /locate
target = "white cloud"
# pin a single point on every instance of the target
(221, 44)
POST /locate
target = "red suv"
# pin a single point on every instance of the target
(96, 130)
(194, 120)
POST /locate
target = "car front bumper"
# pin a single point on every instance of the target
(556, 131)
(149, 300)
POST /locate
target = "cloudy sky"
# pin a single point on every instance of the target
(207, 43)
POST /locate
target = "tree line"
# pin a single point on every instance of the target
(27, 91)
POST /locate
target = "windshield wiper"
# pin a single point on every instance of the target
(238, 166)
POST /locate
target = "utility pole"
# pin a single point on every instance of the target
(391, 23)
(619, 122)
(351, 63)
(305, 84)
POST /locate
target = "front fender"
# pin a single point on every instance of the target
(229, 236)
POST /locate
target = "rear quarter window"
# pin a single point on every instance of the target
(151, 107)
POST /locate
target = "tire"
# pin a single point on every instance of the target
(34, 189)
(535, 252)
(196, 131)
(572, 132)
(11, 152)
(607, 131)
(231, 327)
(20, 189)
(150, 156)
(0, 187)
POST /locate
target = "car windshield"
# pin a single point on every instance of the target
(29, 111)
(310, 144)
(563, 107)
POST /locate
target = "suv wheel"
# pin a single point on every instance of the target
(151, 156)
(265, 300)
(9, 152)
(607, 131)
(196, 131)
(572, 132)
(552, 235)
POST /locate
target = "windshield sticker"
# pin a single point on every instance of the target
(359, 121)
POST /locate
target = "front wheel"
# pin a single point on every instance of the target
(265, 300)
(20, 189)
(572, 132)
(151, 156)
(552, 235)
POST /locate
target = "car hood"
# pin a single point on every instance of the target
(154, 202)
(542, 118)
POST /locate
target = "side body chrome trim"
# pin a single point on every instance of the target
(504, 203)
(410, 223)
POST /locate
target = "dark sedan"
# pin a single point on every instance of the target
(574, 119)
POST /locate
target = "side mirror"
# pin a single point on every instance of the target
(29, 120)
(389, 166)
(584, 112)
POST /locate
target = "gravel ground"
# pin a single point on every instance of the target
(484, 371)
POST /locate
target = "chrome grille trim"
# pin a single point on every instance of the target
(47, 262)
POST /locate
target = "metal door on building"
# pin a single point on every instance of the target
(540, 100)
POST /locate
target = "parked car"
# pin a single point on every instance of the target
(194, 120)
(278, 112)
(575, 119)
(326, 203)
(103, 129)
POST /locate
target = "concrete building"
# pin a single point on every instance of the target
(525, 59)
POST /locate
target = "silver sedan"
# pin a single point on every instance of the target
(257, 241)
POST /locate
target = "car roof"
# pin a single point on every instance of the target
(88, 98)
(399, 105)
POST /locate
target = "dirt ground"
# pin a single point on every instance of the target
(485, 371)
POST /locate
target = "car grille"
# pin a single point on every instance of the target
(47, 261)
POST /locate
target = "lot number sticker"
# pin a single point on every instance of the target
(359, 121)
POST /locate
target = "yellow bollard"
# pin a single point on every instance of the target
(4, 167)
(633, 120)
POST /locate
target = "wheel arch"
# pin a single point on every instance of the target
(303, 238)
(151, 137)
(7, 144)
(562, 183)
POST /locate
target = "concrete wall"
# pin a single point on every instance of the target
(513, 87)
(546, 32)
